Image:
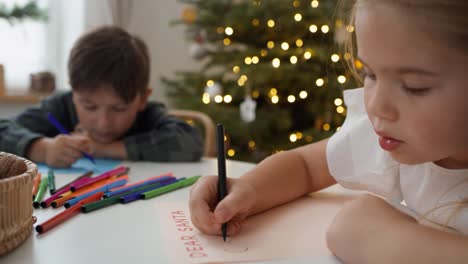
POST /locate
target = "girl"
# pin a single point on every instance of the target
(404, 139)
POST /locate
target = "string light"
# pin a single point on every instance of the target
(358, 64)
(298, 17)
(271, 23)
(347, 56)
(263, 53)
(307, 55)
(274, 99)
(299, 43)
(313, 28)
(227, 98)
(314, 3)
(206, 98)
(299, 135)
(273, 92)
(325, 29)
(319, 82)
(293, 138)
(285, 46)
(251, 144)
(229, 31)
(291, 98)
(293, 59)
(209, 83)
(231, 152)
(276, 62)
(341, 79)
(340, 109)
(255, 60)
(350, 28)
(270, 44)
(338, 101)
(226, 41)
(326, 127)
(255, 94)
(236, 69)
(303, 94)
(296, 3)
(218, 99)
(335, 57)
(248, 60)
(255, 22)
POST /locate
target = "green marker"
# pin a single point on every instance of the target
(171, 187)
(51, 178)
(113, 199)
(41, 192)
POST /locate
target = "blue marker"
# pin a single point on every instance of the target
(62, 130)
(161, 180)
(104, 188)
(138, 195)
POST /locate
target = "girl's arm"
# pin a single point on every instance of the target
(369, 230)
(288, 175)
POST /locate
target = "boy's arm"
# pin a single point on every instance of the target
(170, 139)
(369, 230)
(18, 134)
(290, 174)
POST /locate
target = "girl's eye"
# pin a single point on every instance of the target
(416, 91)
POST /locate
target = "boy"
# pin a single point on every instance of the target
(107, 110)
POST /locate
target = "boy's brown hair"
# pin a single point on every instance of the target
(110, 55)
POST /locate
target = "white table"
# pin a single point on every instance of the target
(120, 234)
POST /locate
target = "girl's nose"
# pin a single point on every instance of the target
(381, 103)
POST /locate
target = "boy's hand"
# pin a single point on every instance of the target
(234, 208)
(64, 150)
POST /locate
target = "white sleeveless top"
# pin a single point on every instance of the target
(432, 194)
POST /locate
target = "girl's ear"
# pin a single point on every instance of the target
(144, 98)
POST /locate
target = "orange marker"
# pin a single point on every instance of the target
(67, 196)
(67, 214)
(36, 182)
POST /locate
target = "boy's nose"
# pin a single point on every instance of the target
(103, 122)
(381, 103)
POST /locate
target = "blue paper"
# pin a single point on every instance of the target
(82, 166)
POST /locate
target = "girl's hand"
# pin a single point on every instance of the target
(234, 208)
(64, 150)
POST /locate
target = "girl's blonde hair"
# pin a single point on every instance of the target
(446, 20)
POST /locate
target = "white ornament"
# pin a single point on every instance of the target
(247, 109)
(214, 90)
(197, 51)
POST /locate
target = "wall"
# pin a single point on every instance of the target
(167, 44)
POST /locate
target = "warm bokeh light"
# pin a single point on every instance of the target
(303, 94)
(271, 23)
(293, 59)
(319, 82)
(229, 31)
(276, 62)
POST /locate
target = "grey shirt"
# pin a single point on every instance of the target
(154, 135)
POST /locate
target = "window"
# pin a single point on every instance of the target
(22, 47)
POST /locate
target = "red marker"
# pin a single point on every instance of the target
(67, 214)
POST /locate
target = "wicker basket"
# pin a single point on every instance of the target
(16, 220)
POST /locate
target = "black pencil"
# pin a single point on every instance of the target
(222, 190)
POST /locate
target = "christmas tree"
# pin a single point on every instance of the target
(272, 72)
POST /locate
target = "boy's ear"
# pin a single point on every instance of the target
(144, 98)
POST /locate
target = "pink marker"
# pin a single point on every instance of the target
(105, 175)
